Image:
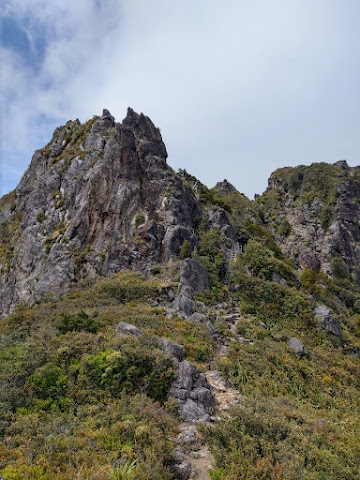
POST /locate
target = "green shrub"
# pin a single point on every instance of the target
(79, 322)
(139, 219)
(339, 269)
(133, 368)
(185, 249)
(48, 381)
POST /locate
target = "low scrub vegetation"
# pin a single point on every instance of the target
(77, 401)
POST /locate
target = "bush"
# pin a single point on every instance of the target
(185, 249)
(339, 269)
(135, 368)
(79, 322)
(139, 219)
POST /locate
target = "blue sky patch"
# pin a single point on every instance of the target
(24, 39)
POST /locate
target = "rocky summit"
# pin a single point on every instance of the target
(98, 198)
(152, 327)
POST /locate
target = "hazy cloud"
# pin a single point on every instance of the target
(238, 88)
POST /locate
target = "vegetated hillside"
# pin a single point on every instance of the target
(125, 287)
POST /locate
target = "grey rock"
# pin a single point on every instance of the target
(194, 275)
(296, 346)
(327, 320)
(184, 305)
(192, 411)
(225, 187)
(171, 294)
(173, 349)
(203, 396)
(123, 329)
(193, 278)
(187, 375)
(77, 206)
(182, 466)
(198, 317)
(315, 245)
(243, 339)
(174, 237)
(191, 390)
(200, 381)
(221, 306)
(219, 220)
(188, 436)
(211, 328)
(179, 393)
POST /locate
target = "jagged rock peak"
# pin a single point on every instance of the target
(143, 127)
(107, 115)
(225, 187)
(97, 198)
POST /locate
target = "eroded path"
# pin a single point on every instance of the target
(226, 397)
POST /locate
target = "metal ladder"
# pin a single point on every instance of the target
(231, 257)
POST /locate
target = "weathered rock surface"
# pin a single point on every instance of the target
(193, 278)
(173, 349)
(192, 392)
(99, 197)
(219, 220)
(327, 320)
(189, 435)
(182, 466)
(319, 229)
(296, 346)
(126, 329)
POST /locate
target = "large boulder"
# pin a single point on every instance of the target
(182, 466)
(192, 392)
(193, 278)
(184, 305)
(194, 275)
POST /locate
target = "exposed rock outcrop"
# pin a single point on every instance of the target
(193, 278)
(98, 198)
(317, 212)
(182, 466)
(126, 329)
(327, 320)
(192, 392)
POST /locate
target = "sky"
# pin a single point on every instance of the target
(238, 88)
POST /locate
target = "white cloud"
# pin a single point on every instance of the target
(238, 88)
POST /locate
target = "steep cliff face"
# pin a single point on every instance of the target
(314, 214)
(99, 197)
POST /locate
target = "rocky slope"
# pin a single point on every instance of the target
(314, 214)
(159, 327)
(100, 197)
